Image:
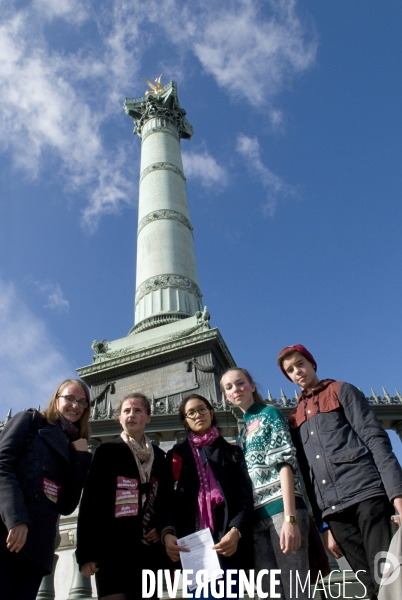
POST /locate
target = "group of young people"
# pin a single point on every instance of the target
(137, 502)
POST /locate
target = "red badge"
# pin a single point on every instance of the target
(126, 510)
(51, 489)
(126, 497)
(127, 483)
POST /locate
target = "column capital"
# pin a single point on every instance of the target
(163, 104)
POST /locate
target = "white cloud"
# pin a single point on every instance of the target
(31, 365)
(203, 166)
(55, 104)
(54, 296)
(276, 117)
(72, 10)
(276, 187)
(253, 49)
(125, 37)
(47, 117)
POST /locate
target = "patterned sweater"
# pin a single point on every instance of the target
(267, 447)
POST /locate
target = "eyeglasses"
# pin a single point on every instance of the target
(201, 411)
(74, 400)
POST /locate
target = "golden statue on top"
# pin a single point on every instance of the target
(155, 89)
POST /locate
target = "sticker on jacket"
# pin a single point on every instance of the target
(126, 497)
(126, 510)
(127, 483)
(51, 489)
(253, 426)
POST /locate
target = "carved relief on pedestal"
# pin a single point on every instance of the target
(100, 347)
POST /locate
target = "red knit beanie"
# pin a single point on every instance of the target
(296, 348)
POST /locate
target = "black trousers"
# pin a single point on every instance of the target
(20, 578)
(362, 530)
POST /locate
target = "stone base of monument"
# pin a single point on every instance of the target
(166, 364)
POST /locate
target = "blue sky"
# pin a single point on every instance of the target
(293, 179)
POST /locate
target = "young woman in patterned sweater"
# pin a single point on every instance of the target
(281, 522)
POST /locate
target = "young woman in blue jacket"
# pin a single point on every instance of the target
(44, 461)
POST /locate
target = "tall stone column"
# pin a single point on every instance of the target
(167, 286)
(398, 428)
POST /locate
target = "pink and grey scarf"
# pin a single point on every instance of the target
(143, 454)
(210, 494)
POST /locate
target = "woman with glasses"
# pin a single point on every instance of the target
(117, 534)
(208, 486)
(44, 461)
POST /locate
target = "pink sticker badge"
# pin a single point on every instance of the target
(51, 489)
(126, 510)
(127, 483)
(126, 497)
(253, 426)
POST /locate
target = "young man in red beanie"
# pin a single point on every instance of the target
(351, 474)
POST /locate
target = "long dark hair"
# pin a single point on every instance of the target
(232, 452)
(182, 408)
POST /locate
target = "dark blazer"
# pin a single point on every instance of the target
(101, 536)
(32, 450)
(230, 470)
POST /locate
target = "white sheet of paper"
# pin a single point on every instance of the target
(201, 555)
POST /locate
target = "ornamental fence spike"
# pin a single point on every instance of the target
(398, 396)
(8, 417)
(375, 397)
(387, 396)
(283, 398)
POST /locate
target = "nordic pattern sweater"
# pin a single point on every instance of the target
(267, 446)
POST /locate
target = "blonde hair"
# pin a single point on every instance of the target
(52, 414)
(256, 394)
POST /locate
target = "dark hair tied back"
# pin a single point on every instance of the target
(182, 408)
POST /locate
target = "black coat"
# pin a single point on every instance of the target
(101, 536)
(230, 471)
(32, 450)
